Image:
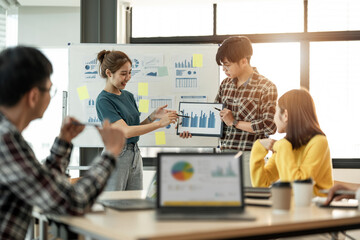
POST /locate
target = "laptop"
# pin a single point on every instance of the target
(205, 186)
(134, 204)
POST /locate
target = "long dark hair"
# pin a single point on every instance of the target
(302, 123)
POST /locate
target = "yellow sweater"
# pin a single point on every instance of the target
(310, 161)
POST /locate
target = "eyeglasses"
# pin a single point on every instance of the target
(226, 67)
(52, 90)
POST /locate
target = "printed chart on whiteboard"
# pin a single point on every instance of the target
(186, 74)
(162, 75)
(200, 119)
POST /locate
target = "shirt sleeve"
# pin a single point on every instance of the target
(315, 162)
(219, 93)
(106, 110)
(262, 175)
(60, 156)
(266, 125)
(46, 186)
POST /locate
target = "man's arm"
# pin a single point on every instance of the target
(227, 117)
(59, 157)
(50, 190)
(266, 125)
(245, 126)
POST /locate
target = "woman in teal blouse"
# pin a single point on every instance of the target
(119, 106)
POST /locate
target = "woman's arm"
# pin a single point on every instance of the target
(157, 114)
(313, 162)
(133, 131)
(348, 185)
(262, 175)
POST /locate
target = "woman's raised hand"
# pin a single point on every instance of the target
(168, 118)
(161, 111)
(268, 143)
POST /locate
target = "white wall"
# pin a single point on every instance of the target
(48, 26)
(347, 175)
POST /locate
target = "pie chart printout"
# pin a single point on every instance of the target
(182, 171)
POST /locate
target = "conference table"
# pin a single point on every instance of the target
(142, 224)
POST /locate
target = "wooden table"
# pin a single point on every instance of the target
(113, 224)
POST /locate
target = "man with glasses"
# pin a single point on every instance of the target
(25, 93)
(249, 101)
(52, 90)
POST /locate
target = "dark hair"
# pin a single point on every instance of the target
(234, 49)
(112, 60)
(21, 69)
(302, 120)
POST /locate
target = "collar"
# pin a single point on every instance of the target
(251, 80)
(5, 122)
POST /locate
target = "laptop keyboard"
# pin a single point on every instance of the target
(129, 204)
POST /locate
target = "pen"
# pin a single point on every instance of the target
(217, 109)
(182, 116)
(339, 192)
(86, 124)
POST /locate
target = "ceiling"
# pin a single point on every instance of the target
(59, 3)
(76, 3)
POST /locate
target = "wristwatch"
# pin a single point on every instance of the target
(235, 122)
(149, 118)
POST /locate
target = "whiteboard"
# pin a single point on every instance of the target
(172, 74)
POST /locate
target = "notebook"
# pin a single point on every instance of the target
(204, 186)
(134, 204)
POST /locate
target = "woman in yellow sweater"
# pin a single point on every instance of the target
(303, 153)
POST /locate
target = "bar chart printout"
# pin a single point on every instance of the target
(201, 118)
(202, 121)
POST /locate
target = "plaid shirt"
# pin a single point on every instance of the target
(254, 101)
(25, 183)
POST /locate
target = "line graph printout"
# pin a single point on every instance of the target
(200, 119)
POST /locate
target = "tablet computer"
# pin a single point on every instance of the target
(200, 119)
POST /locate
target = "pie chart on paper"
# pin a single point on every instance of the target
(182, 171)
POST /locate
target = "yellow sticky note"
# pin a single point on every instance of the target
(83, 92)
(160, 138)
(144, 105)
(197, 60)
(143, 89)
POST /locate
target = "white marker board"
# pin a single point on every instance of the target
(170, 73)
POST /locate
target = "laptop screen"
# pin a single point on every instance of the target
(199, 179)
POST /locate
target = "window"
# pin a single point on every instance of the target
(334, 85)
(279, 62)
(260, 16)
(41, 141)
(2, 28)
(333, 15)
(277, 29)
(11, 27)
(172, 20)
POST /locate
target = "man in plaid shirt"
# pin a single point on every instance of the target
(249, 101)
(25, 88)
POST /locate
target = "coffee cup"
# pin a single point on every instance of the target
(281, 196)
(303, 192)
